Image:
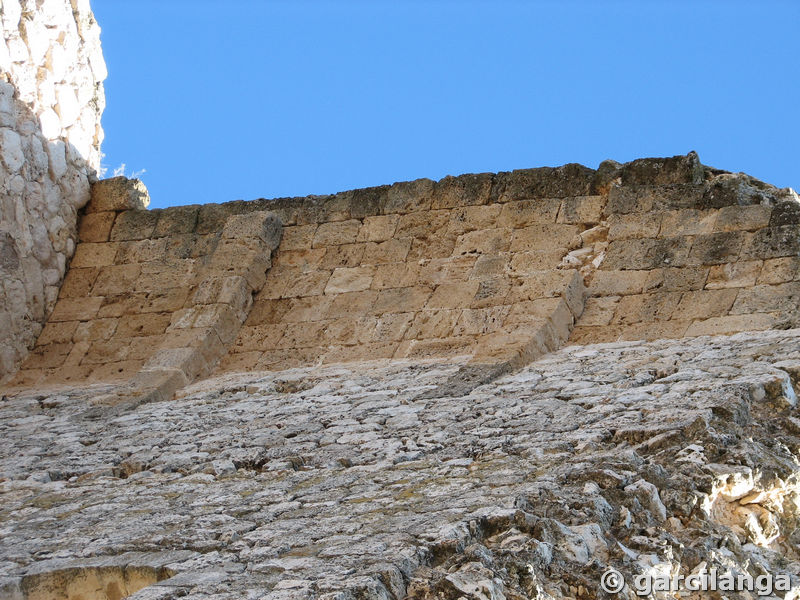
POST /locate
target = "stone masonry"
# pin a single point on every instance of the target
(51, 99)
(496, 268)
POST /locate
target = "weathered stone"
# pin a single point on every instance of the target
(118, 194)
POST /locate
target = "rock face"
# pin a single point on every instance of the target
(51, 99)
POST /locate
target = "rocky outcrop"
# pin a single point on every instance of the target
(51, 99)
(351, 481)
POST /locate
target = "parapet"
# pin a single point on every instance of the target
(497, 269)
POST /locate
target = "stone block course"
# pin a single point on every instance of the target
(417, 271)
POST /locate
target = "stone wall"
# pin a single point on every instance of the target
(51, 99)
(492, 269)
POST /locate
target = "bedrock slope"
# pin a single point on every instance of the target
(345, 482)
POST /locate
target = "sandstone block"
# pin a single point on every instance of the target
(487, 266)
(163, 300)
(688, 221)
(771, 242)
(337, 233)
(395, 275)
(582, 209)
(176, 220)
(715, 248)
(785, 213)
(445, 270)
(434, 246)
(423, 224)
(277, 280)
(134, 225)
(78, 282)
(647, 197)
(390, 251)
(445, 347)
(702, 304)
(491, 291)
(471, 189)
(188, 360)
(780, 270)
(543, 237)
(360, 352)
(94, 255)
(141, 251)
(299, 237)
(239, 362)
(118, 194)
(391, 326)
(523, 213)
(96, 329)
(646, 308)
(142, 325)
(350, 280)
(734, 275)
(313, 308)
(479, 321)
(676, 279)
(48, 356)
(783, 297)
(409, 196)
(472, 218)
(542, 284)
(76, 309)
(116, 371)
(429, 324)
(743, 218)
(233, 291)
(663, 171)
(406, 299)
(351, 304)
(115, 279)
(598, 312)
(523, 263)
(672, 329)
(96, 227)
(544, 182)
(646, 254)
(725, 325)
(57, 333)
(266, 312)
(378, 228)
(532, 311)
(263, 226)
(303, 335)
(222, 318)
(310, 258)
(486, 241)
(312, 283)
(633, 225)
(453, 295)
(618, 283)
(346, 255)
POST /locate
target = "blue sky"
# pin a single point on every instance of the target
(219, 101)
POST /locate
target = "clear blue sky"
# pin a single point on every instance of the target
(244, 99)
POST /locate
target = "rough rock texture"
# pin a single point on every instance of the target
(351, 482)
(51, 98)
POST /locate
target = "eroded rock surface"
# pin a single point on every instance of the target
(353, 482)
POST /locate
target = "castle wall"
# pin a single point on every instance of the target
(51, 99)
(488, 270)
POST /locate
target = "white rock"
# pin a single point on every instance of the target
(11, 149)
